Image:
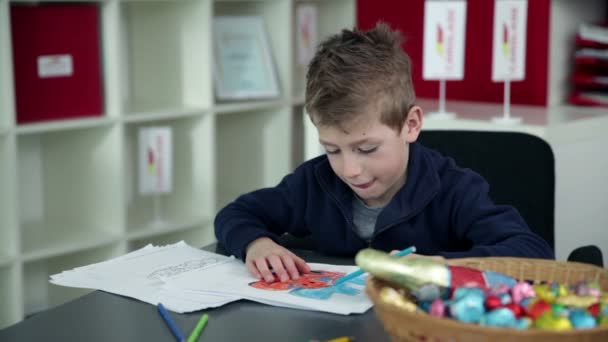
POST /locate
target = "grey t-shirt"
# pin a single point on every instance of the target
(364, 218)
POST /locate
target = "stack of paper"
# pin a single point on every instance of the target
(187, 279)
(141, 275)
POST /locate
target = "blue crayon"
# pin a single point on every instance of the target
(359, 272)
(170, 323)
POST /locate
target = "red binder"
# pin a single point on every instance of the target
(56, 57)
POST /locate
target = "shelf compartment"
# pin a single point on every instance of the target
(253, 151)
(278, 28)
(69, 186)
(198, 235)
(191, 199)
(39, 294)
(167, 55)
(47, 241)
(11, 312)
(57, 66)
(298, 138)
(145, 232)
(8, 209)
(332, 17)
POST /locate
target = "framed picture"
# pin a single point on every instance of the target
(244, 67)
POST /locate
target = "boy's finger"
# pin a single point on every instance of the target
(252, 269)
(278, 268)
(290, 266)
(263, 268)
(301, 265)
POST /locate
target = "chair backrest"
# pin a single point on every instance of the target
(519, 167)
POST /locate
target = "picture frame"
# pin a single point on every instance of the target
(244, 65)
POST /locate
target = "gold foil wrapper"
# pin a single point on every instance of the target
(577, 301)
(411, 272)
(391, 296)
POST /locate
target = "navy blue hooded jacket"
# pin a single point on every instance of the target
(442, 210)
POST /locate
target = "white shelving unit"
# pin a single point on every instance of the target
(69, 188)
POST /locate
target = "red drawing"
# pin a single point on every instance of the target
(313, 280)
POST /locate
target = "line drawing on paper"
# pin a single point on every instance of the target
(186, 266)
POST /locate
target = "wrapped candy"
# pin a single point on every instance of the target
(603, 322)
(521, 291)
(437, 308)
(501, 317)
(499, 290)
(523, 323)
(418, 274)
(594, 309)
(487, 298)
(393, 297)
(467, 305)
(577, 301)
(549, 321)
(537, 308)
(587, 288)
(581, 319)
(517, 310)
(493, 302)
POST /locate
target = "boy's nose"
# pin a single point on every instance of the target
(351, 168)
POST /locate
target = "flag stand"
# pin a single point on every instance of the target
(441, 113)
(506, 118)
(158, 221)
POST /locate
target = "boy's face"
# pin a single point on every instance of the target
(369, 156)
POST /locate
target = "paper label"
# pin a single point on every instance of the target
(55, 66)
(306, 35)
(509, 44)
(155, 160)
(444, 35)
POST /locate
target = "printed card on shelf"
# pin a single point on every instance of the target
(155, 160)
(306, 34)
(444, 35)
(509, 42)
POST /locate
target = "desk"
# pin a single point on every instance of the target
(100, 316)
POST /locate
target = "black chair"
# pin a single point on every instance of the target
(520, 169)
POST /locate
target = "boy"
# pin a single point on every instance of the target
(375, 187)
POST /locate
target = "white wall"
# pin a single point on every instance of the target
(581, 189)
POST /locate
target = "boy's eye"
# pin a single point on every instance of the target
(332, 151)
(368, 150)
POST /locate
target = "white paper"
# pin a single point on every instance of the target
(306, 32)
(187, 279)
(509, 42)
(155, 160)
(141, 274)
(444, 36)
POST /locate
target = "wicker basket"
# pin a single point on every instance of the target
(418, 326)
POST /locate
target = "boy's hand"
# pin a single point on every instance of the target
(264, 257)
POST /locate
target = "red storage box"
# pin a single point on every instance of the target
(56, 58)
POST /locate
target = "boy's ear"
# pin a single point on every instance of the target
(413, 124)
